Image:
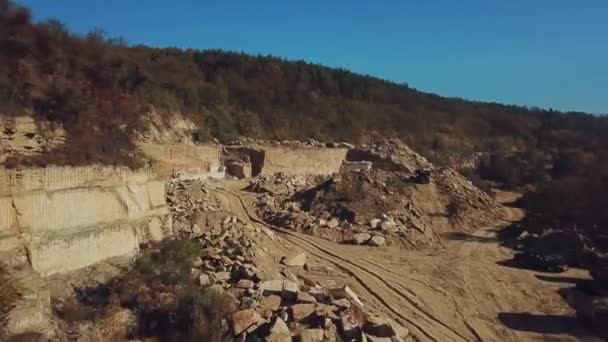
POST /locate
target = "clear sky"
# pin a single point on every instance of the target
(547, 53)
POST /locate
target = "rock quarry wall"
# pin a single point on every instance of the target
(66, 218)
(27, 136)
(303, 161)
(187, 161)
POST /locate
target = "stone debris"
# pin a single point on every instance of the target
(298, 260)
(272, 302)
(378, 198)
(312, 335)
(279, 327)
(305, 297)
(377, 241)
(345, 292)
(302, 311)
(272, 306)
(397, 200)
(245, 320)
(280, 184)
(361, 238)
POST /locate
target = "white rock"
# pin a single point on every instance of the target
(377, 241)
(361, 238)
(272, 286)
(389, 226)
(279, 327)
(333, 223)
(204, 280)
(345, 292)
(374, 223)
(298, 260)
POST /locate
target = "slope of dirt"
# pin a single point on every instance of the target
(456, 293)
(399, 199)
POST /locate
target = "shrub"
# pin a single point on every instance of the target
(167, 301)
(9, 293)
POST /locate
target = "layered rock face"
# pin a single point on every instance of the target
(66, 218)
(186, 161)
(26, 136)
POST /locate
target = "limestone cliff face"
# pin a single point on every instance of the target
(67, 218)
(26, 136)
(184, 160)
(303, 161)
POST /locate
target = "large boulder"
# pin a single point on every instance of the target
(301, 312)
(245, 321)
(388, 226)
(312, 335)
(305, 297)
(272, 302)
(298, 260)
(385, 328)
(377, 241)
(345, 292)
(361, 238)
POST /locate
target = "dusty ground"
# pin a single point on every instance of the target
(461, 292)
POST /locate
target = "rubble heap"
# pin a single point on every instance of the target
(279, 184)
(276, 308)
(187, 200)
(377, 206)
(395, 151)
(271, 306)
(311, 143)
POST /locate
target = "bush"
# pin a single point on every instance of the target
(167, 301)
(10, 293)
(159, 289)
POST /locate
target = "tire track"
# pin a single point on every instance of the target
(433, 328)
(392, 273)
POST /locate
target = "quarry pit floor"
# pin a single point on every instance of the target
(460, 291)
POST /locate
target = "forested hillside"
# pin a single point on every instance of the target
(98, 88)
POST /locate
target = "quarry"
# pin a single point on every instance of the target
(309, 241)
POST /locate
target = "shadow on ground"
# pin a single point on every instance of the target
(543, 324)
(459, 236)
(511, 264)
(558, 279)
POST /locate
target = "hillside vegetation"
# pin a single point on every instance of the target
(100, 89)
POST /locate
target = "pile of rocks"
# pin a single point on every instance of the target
(187, 198)
(314, 314)
(279, 184)
(373, 233)
(280, 309)
(310, 143)
(398, 153)
(277, 308)
(228, 255)
(318, 210)
(482, 209)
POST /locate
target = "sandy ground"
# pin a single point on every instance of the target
(461, 292)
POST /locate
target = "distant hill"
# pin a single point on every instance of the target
(100, 89)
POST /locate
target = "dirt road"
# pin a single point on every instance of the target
(458, 293)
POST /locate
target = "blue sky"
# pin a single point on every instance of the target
(547, 53)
